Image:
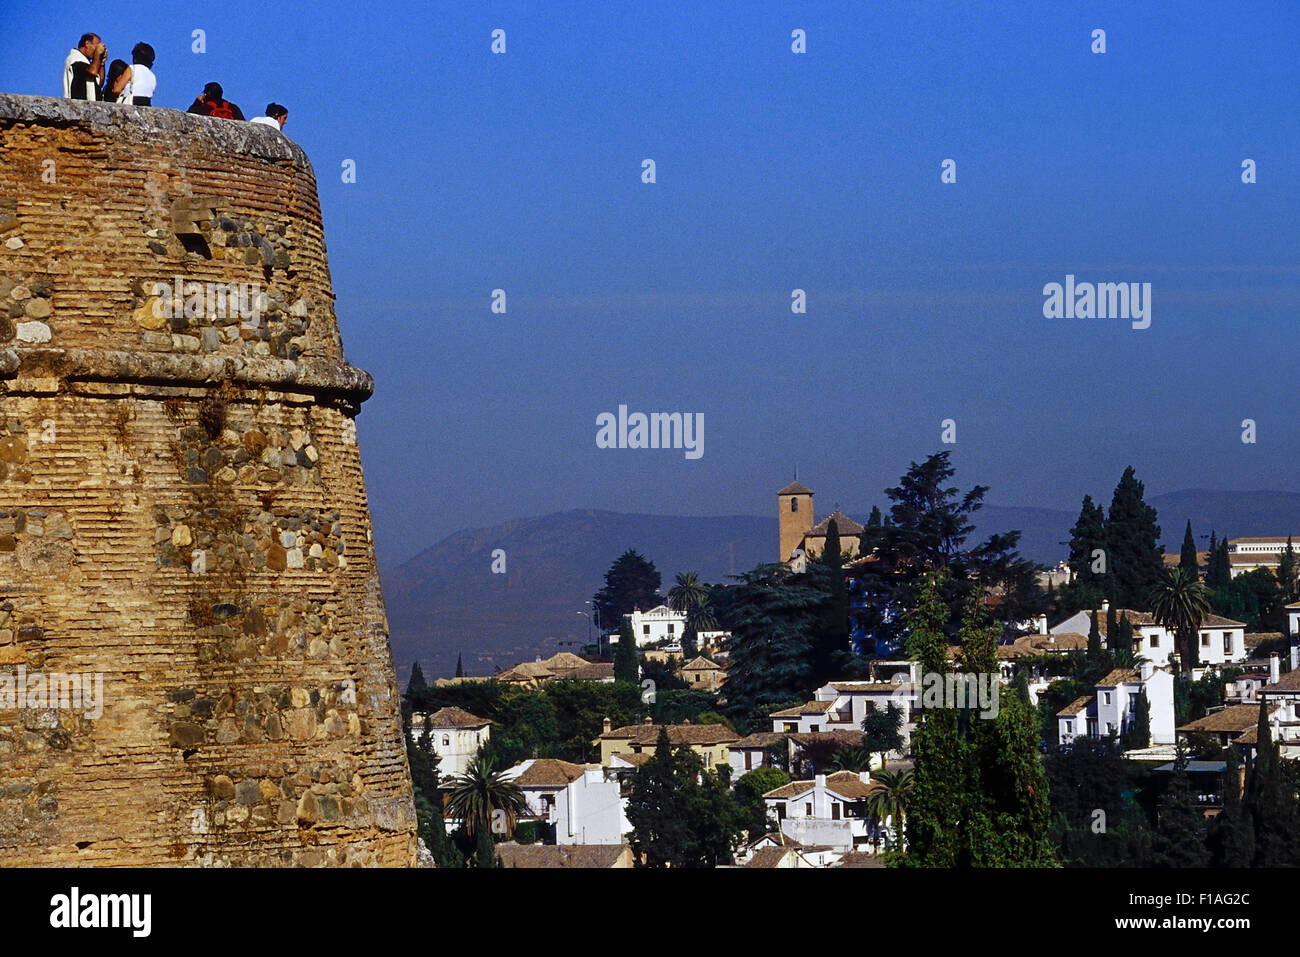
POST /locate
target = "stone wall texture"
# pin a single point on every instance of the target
(182, 508)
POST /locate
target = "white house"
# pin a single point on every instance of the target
(456, 736)
(842, 705)
(660, 623)
(1113, 706)
(582, 802)
(1247, 554)
(1220, 640)
(830, 810)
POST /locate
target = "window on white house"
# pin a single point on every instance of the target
(807, 809)
(670, 628)
(645, 629)
(1205, 639)
(1105, 697)
(446, 740)
(1155, 640)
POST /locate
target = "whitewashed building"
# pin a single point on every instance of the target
(1220, 640)
(581, 802)
(829, 810)
(456, 736)
(1113, 706)
(660, 623)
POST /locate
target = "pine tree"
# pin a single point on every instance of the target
(1187, 557)
(1218, 572)
(1112, 627)
(626, 660)
(632, 582)
(1133, 554)
(1086, 538)
(460, 666)
(835, 625)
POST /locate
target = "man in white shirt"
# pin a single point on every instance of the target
(83, 70)
(276, 116)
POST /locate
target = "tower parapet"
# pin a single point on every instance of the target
(182, 507)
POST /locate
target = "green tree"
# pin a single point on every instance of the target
(416, 682)
(1288, 571)
(882, 731)
(749, 792)
(1271, 801)
(1180, 824)
(1187, 557)
(1137, 734)
(1094, 637)
(632, 582)
(890, 802)
(1087, 538)
(776, 615)
(690, 596)
(834, 636)
(460, 666)
(627, 662)
(1218, 571)
(1134, 561)
(681, 814)
(1232, 833)
(1124, 640)
(1180, 603)
(477, 796)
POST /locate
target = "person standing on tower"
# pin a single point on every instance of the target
(83, 70)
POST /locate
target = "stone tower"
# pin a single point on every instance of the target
(794, 516)
(183, 520)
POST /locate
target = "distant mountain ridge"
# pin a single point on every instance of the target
(447, 600)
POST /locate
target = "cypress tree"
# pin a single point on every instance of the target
(1187, 557)
(417, 682)
(1094, 638)
(1124, 639)
(460, 666)
(835, 625)
(1288, 568)
(1133, 555)
(1180, 825)
(1271, 801)
(1112, 627)
(626, 660)
(1138, 733)
(1232, 835)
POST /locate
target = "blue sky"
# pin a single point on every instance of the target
(775, 171)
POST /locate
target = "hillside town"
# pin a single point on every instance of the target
(890, 693)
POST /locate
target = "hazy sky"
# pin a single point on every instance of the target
(820, 171)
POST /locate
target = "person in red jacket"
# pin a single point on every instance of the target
(212, 103)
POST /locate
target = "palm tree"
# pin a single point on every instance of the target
(851, 758)
(891, 799)
(480, 792)
(690, 596)
(1180, 603)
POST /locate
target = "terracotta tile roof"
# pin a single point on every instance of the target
(455, 718)
(859, 859)
(1237, 717)
(846, 784)
(636, 760)
(1077, 705)
(1259, 540)
(1118, 676)
(549, 773)
(1027, 646)
(840, 736)
(759, 739)
(701, 664)
(565, 661)
(700, 734)
(794, 488)
(1289, 683)
(594, 671)
(565, 855)
(1253, 639)
(808, 707)
(1218, 621)
(770, 856)
(843, 524)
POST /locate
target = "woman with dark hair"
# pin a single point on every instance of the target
(116, 82)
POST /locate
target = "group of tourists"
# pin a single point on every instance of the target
(84, 78)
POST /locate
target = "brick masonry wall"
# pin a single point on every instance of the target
(182, 507)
